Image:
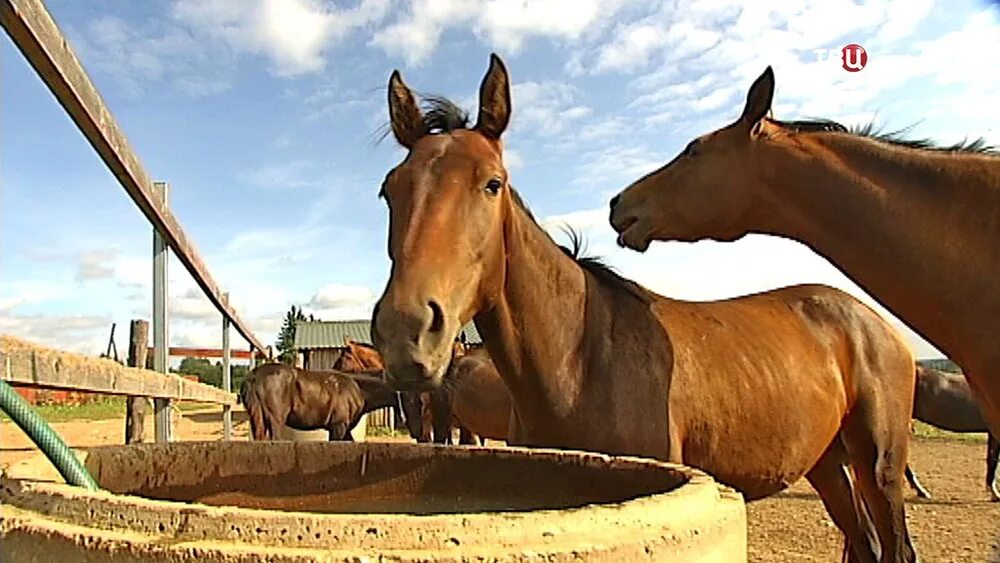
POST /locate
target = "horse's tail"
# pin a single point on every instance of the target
(241, 397)
(255, 410)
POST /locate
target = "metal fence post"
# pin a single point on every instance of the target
(161, 353)
(227, 383)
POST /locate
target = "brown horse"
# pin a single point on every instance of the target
(358, 356)
(277, 394)
(473, 397)
(758, 390)
(944, 400)
(917, 227)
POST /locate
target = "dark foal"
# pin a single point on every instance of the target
(944, 400)
(278, 394)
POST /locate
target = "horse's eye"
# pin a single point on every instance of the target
(493, 186)
(691, 149)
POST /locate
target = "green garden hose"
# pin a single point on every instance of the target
(45, 438)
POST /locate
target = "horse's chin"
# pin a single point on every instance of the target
(409, 384)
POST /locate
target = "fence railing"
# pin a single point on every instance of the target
(36, 35)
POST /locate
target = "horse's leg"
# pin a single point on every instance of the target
(465, 437)
(338, 432)
(992, 457)
(830, 480)
(915, 483)
(878, 442)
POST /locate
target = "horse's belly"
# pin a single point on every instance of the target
(757, 471)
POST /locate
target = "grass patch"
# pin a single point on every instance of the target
(105, 408)
(923, 430)
(380, 432)
(101, 409)
(187, 406)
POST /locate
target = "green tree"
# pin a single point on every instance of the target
(211, 373)
(202, 368)
(286, 338)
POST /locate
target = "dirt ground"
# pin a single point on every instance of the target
(958, 524)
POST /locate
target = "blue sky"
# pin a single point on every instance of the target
(262, 115)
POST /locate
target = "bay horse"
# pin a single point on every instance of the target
(916, 226)
(758, 390)
(473, 397)
(944, 400)
(358, 356)
(277, 394)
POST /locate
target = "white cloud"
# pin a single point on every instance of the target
(95, 265)
(336, 298)
(192, 305)
(583, 220)
(141, 56)
(285, 175)
(512, 159)
(614, 167)
(85, 334)
(415, 35)
(631, 49)
(293, 34)
(503, 24)
(546, 108)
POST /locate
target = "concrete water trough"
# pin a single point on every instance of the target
(311, 501)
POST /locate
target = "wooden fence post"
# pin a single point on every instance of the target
(161, 354)
(135, 407)
(227, 383)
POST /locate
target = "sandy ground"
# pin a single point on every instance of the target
(958, 524)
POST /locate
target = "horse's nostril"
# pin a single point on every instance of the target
(437, 317)
(615, 200)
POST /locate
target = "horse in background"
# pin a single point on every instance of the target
(277, 394)
(474, 398)
(945, 400)
(412, 408)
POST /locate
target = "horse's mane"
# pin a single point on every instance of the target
(440, 115)
(897, 137)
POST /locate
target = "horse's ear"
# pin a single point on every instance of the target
(494, 100)
(759, 99)
(405, 116)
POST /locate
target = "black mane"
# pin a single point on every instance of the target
(871, 131)
(440, 115)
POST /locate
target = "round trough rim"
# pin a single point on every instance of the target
(661, 517)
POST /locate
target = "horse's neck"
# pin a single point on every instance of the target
(891, 219)
(533, 331)
(378, 396)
